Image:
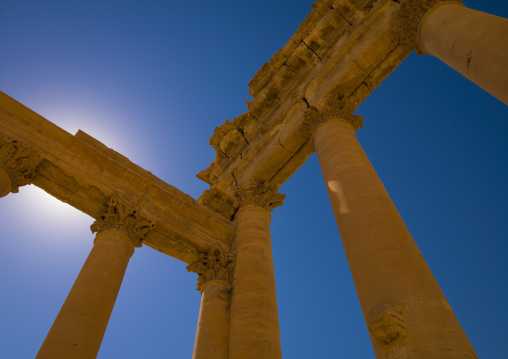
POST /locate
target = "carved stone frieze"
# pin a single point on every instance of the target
(407, 20)
(334, 109)
(255, 194)
(18, 161)
(213, 265)
(120, 217)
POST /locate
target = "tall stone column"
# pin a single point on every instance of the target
(471, 42)
(254, 321)
(17, 165)
(406, 313)
(81, 323)
(215, 270)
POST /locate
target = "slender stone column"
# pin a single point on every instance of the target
(81, 323)
(215, 271)
(254, 323)
(17, 165)
(471, 42)
(406, 312)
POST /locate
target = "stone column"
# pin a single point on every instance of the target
(406, 313)
(471, 42)
(17, 165)
(254, 322)
(215, 270)
(81, 323)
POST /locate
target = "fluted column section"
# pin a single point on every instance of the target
(406, 313)
(254, 321)
(471, 42)
(17, 165)
(215, 270)
(81, 323)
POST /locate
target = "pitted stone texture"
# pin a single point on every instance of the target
(18, 161)
(254, 194)
(121, 218)
(407, 20)
(214, 265)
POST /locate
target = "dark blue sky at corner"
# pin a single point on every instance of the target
(152, 80)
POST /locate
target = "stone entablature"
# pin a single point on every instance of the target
(343, 47)
(18, 161)
(407, 20)
(259, 195)
(119, 217)
(215, 265)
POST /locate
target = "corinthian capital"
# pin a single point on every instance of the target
(18, 161)
(254, 194)
(407, 20)
(214, 265)
(334, 109)
(119, 217)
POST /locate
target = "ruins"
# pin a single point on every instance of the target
(304, 101)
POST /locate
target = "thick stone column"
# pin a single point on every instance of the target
(254, 320)
(406, 313)
(81, 323)
(17, 165)
(471, 42)
(215, 270)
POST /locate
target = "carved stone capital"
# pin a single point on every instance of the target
(254, 194)
(121, 218)
(215, 265)
(407, 20)
(18, 161)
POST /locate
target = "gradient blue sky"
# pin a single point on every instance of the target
(152, 80)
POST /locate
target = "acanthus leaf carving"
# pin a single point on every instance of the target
(255, 194)
(120, 217)
(407, 20)
(335, 108)
(18, 161)
(215, 265)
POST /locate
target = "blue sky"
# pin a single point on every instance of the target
(152, 80)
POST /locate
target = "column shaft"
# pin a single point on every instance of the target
(405, 310)
(254, 330)
(81, 323)
(212, 335)
(471, 42)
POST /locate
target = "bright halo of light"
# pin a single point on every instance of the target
(45, 210)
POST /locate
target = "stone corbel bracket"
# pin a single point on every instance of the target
(19, 161)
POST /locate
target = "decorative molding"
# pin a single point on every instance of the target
(119, 217)
(334, 109)
(387, 324)
(254, 194)
(407, 20)
(214, 265)
(18, 161)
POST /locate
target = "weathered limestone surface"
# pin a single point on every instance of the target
(84, 173)
(471, 42)
(344, 48)
(81, 323)
(215, 270)
(254, 321)
(405, 311)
